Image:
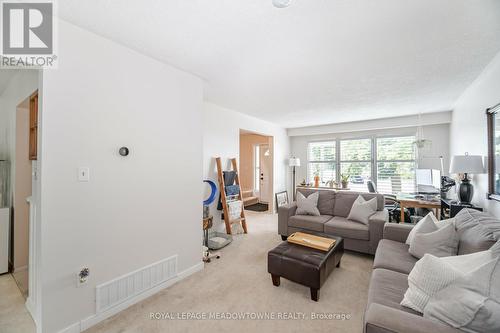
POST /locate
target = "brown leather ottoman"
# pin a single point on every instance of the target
(304, 265)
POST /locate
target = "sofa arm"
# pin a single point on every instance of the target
(397, 232)
(284, 213)
(376, 227)
(383, 319)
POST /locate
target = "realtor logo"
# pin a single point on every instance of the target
(27, 28)
(27, 34)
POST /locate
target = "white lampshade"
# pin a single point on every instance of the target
(467, 164)
(294, 161)
(281, 4)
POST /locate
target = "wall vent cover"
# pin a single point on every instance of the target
(121, 289)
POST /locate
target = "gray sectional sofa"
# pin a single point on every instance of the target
(477, 231)
(334, 207)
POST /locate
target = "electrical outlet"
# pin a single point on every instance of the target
(82, 277)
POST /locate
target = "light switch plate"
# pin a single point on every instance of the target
(83, 174)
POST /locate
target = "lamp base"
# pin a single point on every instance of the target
(465, 191)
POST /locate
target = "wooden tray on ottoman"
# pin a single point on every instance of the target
(316, 242)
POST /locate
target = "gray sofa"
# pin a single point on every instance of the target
(334, 207)
(477, 231)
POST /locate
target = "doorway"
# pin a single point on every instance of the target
(256, 171)
(25, 156)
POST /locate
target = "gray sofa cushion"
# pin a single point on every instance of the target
(340, 226)
(388, 288)
(477, 231)
(309, 222)
(345, 199)
(394, 256)
(326, 199)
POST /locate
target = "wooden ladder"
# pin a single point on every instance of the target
(222, 189)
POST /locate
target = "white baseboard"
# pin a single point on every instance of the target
(75, 328)
(97, 318)
(20, 269)
(31, 309)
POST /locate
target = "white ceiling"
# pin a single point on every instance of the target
(5, 76)
(315, 62)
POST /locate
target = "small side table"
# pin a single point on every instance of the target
(207, 224)
(453, 207)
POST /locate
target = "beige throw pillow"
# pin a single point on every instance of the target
(442, 242)
(361, 210)
(431, 274)
(471, 303)
(427, 224)
(309, 205)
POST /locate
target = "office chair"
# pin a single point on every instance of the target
(391, 203)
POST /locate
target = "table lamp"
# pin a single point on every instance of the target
(466, 164)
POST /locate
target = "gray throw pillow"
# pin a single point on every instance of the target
(361, 210)
(442, 242)
(309, 205)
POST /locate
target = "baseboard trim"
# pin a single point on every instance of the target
(75, 328)
(30, 306)
(19, 269)
(97, 318)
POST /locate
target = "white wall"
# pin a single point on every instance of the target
(428, 157)
(221, 135)
(135, 210)
(468, 131)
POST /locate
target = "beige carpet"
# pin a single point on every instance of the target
(14, 318)
(239, 283)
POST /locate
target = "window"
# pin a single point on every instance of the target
(396, 164)
(356, 162)
(321, 161)
(390, 162)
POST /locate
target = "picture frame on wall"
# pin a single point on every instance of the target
(281, 199)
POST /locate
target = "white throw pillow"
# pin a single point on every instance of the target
(443, 223)
(432, 274)
(470, 303)
(361, 209)
(428, 276)
(427, 224)
(440, 243)
(309, 205)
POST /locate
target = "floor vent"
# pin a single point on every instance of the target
(121, 289)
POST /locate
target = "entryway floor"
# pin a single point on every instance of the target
(14, 317)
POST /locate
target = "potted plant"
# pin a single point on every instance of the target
(345, 180)
(316, 179)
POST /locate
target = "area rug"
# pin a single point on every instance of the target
(258, 207)
(238, 283)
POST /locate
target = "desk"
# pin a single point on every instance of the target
(407, 202)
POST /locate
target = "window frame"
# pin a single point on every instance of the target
(377, 161)
(374, 154)
(334, 161)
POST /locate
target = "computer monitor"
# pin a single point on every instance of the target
(428, 180)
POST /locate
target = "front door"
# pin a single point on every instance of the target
(265, 173)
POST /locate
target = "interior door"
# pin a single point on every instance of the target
(265, 172)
